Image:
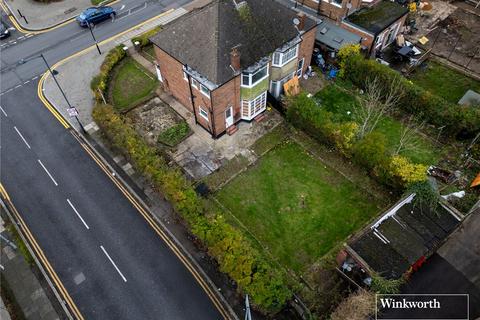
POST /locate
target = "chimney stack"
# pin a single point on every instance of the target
(301, 17)
(235, 59)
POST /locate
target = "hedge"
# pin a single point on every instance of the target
(99, 83)
(144, 38)
(415, 100)
(233, 252)
(397, 171)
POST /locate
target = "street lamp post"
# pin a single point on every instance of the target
(93, 36)
(61, 90)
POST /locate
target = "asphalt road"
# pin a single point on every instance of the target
(110, 260)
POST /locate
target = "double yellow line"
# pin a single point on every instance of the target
(14, 21)
(41, 256)
(208, 290)
(188, 264)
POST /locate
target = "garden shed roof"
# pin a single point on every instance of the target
(403, 235)
(377, 18)
(204, 38)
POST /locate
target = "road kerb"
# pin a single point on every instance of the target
(29, 241)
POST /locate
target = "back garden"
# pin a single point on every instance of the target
(274, 225)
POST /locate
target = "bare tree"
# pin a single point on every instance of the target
(378, 99)
(408, 140)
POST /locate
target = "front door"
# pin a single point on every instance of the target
(229, 116)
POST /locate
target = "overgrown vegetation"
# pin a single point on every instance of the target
(20, 244)
(254, 274)
(386, 286)
(443, 81)
(415, 100)
(99, 83)
(144, 38)
(175, 134)
(357, 306)
(369, 151)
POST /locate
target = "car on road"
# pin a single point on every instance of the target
(94, 15)
(4, 32)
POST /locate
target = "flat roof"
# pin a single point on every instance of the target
(378, 17)
(334, 36)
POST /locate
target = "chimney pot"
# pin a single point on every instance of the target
(235, 59)
(301, 17)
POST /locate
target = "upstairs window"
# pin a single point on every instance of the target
(205, 90)
(251, 79)
(281, 58)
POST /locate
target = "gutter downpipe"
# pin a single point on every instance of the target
(191, 94)
(212, 115)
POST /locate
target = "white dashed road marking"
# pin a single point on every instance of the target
(55, 182)
(21, 136)
(118, 270)
(78, 214)
(3, 111)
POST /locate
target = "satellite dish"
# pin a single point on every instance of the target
(349, 5)
(296, 21)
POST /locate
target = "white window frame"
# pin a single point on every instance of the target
(250, 77)
(202, 88)
(185, 77)
(282, 60)
(203, 113)
(300, 70)
(194, 83)
(261, 99)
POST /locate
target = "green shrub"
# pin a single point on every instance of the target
(99, 83)
(304, 113)
(173, 135)
(415, 100)
(144, 38)
(235, 255)
(381, 285)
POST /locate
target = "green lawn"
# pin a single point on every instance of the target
(131, 84)
(296, 206)
(342, 105)
(444, 81)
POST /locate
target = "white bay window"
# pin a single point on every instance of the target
(251, 79)
(280, 59)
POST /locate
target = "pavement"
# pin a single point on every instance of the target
(111, 257)
(36, 15)
(77, 87)
(28, 292)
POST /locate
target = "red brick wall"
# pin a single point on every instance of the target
(172, 74)
(367, 39)
(330, 10)
(306, 47)
(201, 100)
(223, 97)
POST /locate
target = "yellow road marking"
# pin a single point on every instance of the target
(22, 30)
(208, 290)
(158, 230)
(55, 113)
(42, 257)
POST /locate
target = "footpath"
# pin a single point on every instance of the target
(23, 286)
(75, 82)
(36, 16)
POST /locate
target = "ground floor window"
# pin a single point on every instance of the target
(203, 113)
(251, 108)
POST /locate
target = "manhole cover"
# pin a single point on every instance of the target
(79, 278)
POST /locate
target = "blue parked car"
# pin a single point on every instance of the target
(94, 15)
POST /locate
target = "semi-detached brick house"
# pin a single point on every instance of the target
(220, 60)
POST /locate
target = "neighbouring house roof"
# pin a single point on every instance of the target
(377, 18)
(204, 38)
(334, 36)
(470, 98)
(403, 235)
